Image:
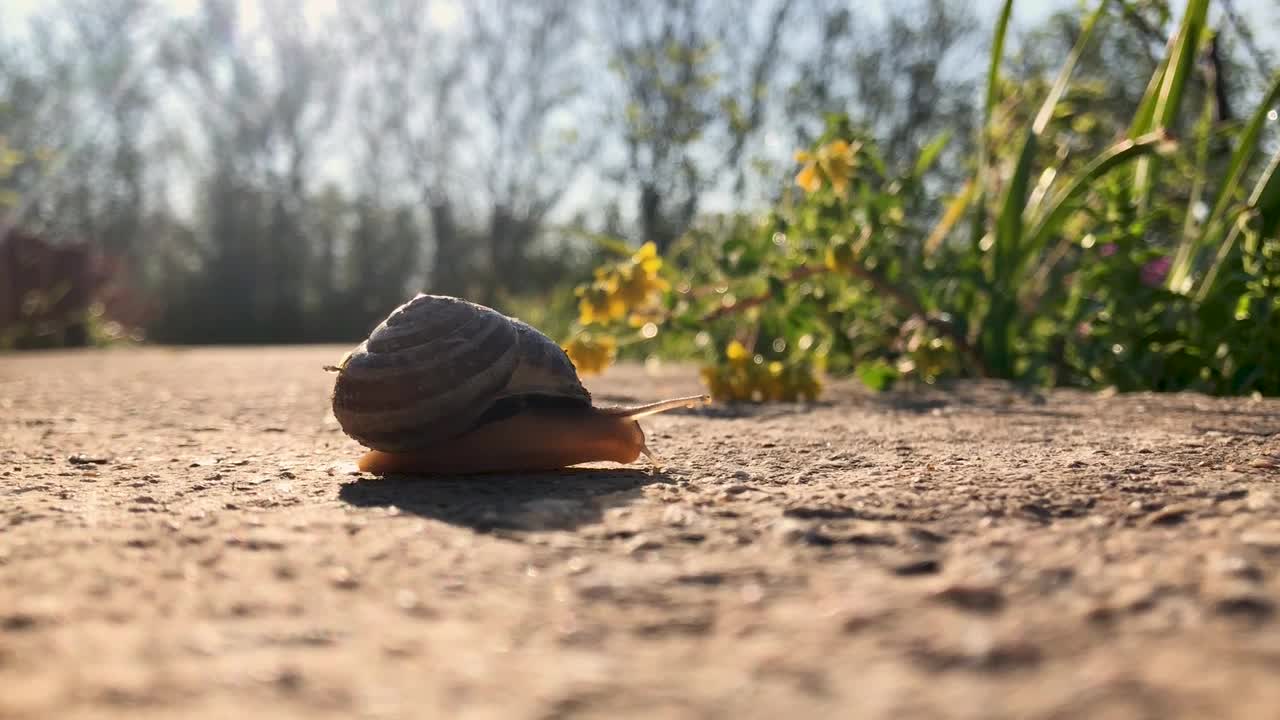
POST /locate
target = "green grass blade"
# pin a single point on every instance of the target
(980, 217)
(1177, 72)
(1144, 117)
(1041, 190)
(929, 154)
(1182, 62)
(1204, 136)
(1249, 141)
(1008, 242)
(1113, 157)
(1224, 251)
(997, 56)
(955, 210)
(997, 325)
(1060, 84)
(1010, 249)
(1266, 199)
(993, 92)
(1064, 73)
(994, 340)
(1190, 247)
(1264, 206)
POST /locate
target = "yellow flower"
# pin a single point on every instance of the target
(737, 353)
(591, 353)
(834, 162)
(619, 289)
(645, 264)
(808, 178)
(632, 287)
(647, 257)
(838, 160)
(599, 303)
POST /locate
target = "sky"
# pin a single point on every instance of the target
(445, 13)
(1263, 15)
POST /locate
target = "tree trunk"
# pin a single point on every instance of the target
(449, 276)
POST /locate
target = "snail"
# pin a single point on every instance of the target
(447, 386)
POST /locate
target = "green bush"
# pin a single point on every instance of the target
(1050, 265)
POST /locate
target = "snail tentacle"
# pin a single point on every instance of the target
(643, 411)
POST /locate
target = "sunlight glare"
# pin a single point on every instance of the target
(444, 15)
(251, 12)
(316, 10)
(185, 8)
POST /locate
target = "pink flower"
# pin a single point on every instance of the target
(1107, 250)
(1154, 272)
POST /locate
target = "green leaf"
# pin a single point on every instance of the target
(1190, 247)
(1064, 73)
(1176, 73)
(1010, 250)
(955, 209)
(1144, 117)
(877, 375)
(997, 55)
(1181, 62)
(930, 152)
(993, 88)
(1060, 207)
(1266, 199)
(1204, 136)
(1008, 242)
(777, 288)
(1264, 203)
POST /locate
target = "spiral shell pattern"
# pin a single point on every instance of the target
(438, 366)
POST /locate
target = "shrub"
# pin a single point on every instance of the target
(1048, 266)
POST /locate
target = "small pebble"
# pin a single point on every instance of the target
(1173, 515)
(1249, 605)
(407, 599)
(791, 531)
(1235, 566)
(642, 544)
(1260, 501)
(80, 459)
(343, 579)
(921, 566)
(1263, 540)
(973, 598)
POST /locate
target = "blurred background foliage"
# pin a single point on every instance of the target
(1069, 194)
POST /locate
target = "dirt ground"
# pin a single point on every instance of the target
(183, 534)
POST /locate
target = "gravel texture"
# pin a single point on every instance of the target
(183, 534)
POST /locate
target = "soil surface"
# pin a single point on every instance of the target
(183, 534)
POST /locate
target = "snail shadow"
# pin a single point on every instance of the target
(562, 500)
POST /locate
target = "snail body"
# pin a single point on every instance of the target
(447, 386)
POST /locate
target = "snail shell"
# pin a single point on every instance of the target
(448, 385)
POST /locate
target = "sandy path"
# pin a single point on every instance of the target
(182, 535)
